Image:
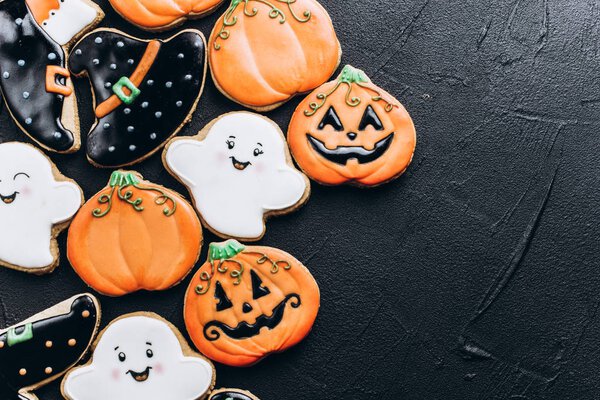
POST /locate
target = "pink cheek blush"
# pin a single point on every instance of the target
(159, 368)
(260, 167)
(116, 374)
(25, 191)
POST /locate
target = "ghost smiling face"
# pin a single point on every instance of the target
(238, 170)
(140, 357)
(32, 202)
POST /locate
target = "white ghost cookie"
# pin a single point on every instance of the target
(36, 204)
(239, 171)
(141, 356)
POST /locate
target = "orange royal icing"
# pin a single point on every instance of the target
(273, 51)
(349, 131)
(133, 236)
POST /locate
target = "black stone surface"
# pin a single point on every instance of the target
(473, 276)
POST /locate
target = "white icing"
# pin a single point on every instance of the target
(39, 203)
(172, 375)
(71, 18)
(231, 201)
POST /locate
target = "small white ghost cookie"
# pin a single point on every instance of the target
(36, 204)
(141, 356)
(239, 171)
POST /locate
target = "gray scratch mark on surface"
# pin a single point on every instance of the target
(4, 313)
(449, 78)
(317, 251)
(544, 31)
(402, 37)
(483, 33)
(505, 275)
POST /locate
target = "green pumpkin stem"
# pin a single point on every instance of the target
(119, 182)
(224, 250)
(350, 76)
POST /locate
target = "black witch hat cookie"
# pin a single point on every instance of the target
(34, 81)
(43, 347)
(144, 91)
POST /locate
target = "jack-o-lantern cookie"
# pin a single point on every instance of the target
(160, 15)
(141, 356)
(134, 235)
(239, 172)
(349, 131)
(247, 302)
(232, 394)
(263, 53)
(36, 204)
(144, 91)
(43, 347)
(37, 89)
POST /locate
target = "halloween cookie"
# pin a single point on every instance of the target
(239, 171)
(43, 347)
(232, 394)
(36, 204)
(141, 356)
(144, 91)
(134, 235)
(160, 15)
(37, 89)
(247, 302)
(263, 53)
(349, 131)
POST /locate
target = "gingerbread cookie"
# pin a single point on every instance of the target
(247, 302)
(134, 235)
(263, 53)
(43, 347)
(37, 89)
(36, 204)
(349, 131)
(239, 171)
(232, 394)
(144, 91)
(141, 356)
(161, 15)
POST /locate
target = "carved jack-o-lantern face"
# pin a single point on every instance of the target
(247, 302)
(360, 135)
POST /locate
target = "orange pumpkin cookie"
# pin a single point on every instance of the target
(247, 302)
(161, 15)
(264, 52)
(134, 235)
(349, 131)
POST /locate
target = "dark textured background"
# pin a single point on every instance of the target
(476, 274)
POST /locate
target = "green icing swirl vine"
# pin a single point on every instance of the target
(120, 182)
(349, 76)
(230, 20)
(219, 254)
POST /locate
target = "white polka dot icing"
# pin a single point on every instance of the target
(165, 94)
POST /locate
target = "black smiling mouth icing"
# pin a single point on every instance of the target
(245, 330)
(140, 376)
(9, 199)
(342, 154)
(239, 165)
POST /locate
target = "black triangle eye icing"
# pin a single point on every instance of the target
(258, 290)
(331, 118)
(370, 117)
(223, 301)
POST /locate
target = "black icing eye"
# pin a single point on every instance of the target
(230, 144)
(20, 174)
(258, 152)
(223, 301)
(258, 290)
(149, 353)
(370, 117)
(331, 118)
(122, 357)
